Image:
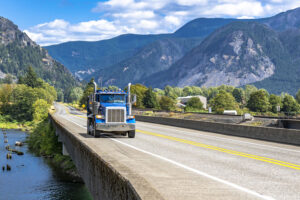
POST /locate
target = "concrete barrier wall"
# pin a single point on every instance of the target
(290, 123)
(281, 135)
(101, 179)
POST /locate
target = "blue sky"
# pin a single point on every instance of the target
(56, 21)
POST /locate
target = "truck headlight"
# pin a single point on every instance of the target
(131, 117)
(99, 116)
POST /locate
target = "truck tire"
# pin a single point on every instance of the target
(131, 134)
(97, 133)
(88, 126)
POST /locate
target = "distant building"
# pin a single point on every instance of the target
(184, 100)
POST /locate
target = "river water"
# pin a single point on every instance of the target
(32, 177)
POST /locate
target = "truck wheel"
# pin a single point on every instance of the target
(131, 134)
(88, 126)
(97, 133)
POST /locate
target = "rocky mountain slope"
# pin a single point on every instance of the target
(237, 54)
(283, 21)
(84, 58)
(155, 57)
(18, 52)
(234, 52)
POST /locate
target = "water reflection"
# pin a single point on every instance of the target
(31, 177)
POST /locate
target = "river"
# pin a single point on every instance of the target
(32, 177)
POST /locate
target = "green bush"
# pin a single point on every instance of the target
(259, 101)
(194, 103)
(40, 108)
(166, 103)
(223, 101)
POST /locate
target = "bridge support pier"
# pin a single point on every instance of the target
(102, 180)
(64, 150)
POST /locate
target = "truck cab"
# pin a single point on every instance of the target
(110, 111)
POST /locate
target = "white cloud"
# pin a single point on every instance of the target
(173, 20)
(253, 9)
(151, 16)
(245, 17)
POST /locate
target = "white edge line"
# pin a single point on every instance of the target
(223, 138)
(199, 172)
(192, 170)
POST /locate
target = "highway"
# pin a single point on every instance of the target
(187, 164)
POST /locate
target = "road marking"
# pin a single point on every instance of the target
(223, 138)
(198, 172)
(191, 169)
(216, 137)
(251, 156)
(67, 110)
(228, 151)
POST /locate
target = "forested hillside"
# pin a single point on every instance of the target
(18, 52)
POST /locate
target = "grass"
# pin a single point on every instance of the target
(43, 141)
(24, 126)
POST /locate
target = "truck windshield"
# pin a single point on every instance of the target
(112, 98)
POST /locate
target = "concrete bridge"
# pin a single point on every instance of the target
(167, 162)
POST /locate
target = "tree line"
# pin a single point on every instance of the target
(26, 100)
(224, 97)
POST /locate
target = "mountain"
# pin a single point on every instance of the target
(286, 79)
(205, 51)
(18, 52)
(155, 57)
(237, 54)
(283, 21)
(84, 58)
(201, 27)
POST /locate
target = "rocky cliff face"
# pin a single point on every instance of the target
(155, 57)
(18, 52)
(237, 54)
(9, 33)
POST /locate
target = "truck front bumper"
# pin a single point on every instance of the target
(115, 127)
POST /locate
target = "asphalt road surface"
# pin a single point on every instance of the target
(186, 164)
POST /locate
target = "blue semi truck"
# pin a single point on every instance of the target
(110, 111)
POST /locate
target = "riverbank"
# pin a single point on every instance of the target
(33, 177)
(23, 126)
(43, 142)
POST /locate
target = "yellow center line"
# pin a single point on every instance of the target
(67, 110)
(228, 151)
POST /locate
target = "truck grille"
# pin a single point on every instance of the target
(115, 115)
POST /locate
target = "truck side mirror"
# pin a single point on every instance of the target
(96, 106)
(133, 99)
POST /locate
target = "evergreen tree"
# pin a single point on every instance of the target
(8, 79)
(149, 99)
(30, 78)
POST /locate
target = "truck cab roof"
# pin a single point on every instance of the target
(110, 92)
